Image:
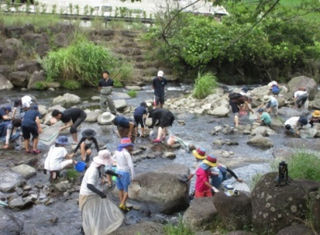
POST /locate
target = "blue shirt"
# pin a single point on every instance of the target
(2, 113)
(29, 119)
(139, 111)
(121, 121)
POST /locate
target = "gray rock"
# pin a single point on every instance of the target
(305, 82)
(5, 84)
(63, 186)
(165, 193)
(42, 109)
(95, 98)
(37, 76)
(20, 203)
(120, 104)
(28, 65)
(13, 42)
(121, 95)
(221, 111)
(200, 214)
(25, 170)
(143, 228)
(262, 130)
(169, 155)
(296, 229)
(260, 142)
(58, 107)
(5, 69)
(9, 225)
(67, 99)
(92, 116)
(9, 180)
(19, 78)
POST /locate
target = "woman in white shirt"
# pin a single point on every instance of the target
(125, 169)
(300, 98)
(58, 158)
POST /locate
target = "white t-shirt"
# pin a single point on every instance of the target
(273, 101)
(90, 177)
(300, 93)
(273, 83)
(293, 122)
(124, 161)
(56, 156)
(26, 101)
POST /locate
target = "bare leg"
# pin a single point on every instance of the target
(121, 196)
(236, 121)
(142, 131)
(75, 137)
(87, 155)
(35, 143)
(159, 133)
(124, 198)
(83, 151)
(26, 145)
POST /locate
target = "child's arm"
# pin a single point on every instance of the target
(38, 124)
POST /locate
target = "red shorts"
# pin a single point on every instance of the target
(206, 193)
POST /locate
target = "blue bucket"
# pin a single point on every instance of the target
(80, 166)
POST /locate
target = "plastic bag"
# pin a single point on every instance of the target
(100, 216)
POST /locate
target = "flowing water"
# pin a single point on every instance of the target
(63, 216)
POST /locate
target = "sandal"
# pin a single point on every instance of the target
(37, 151)
(28, 151)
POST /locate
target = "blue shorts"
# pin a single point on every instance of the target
(123, 181)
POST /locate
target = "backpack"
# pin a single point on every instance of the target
(234, 96)
(275, 90)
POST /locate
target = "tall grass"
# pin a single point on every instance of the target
(179, 229)
(304, 165)
(37, 20)
(204, 86)
(83, 62)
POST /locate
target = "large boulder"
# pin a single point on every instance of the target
(143, 228)
(9, 225)
(25, 170)
(260, 142)
(305, 82)
(295, 230)
(37, 76)
(28, 65)
(200, 214)
(19, 78)
(5, 84)
(274, 208)
(120, 104)
(221, 111)
(164, 192)
(9, 180)
(262, 130)
(315, 209)
(235, 212)
(105, 118)
(92, 116)
(67, 99)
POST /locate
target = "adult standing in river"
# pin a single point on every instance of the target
(105, 88)
(158, 85)
(72, 117)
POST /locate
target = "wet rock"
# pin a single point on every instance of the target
(200, 214)
(274, 208)
(58, 107)
(20, 203)
(19, 78)
(305, 82)
(120, 104)
(5, 84)
(95, 98)
(235, 212)
(25, 170)
(260, 142)
(134, 88)
(28, 65)
(67, 99)
(105, 118)
(9, 225)
(216, 130)
(295, 229)
(42, 109)
(53, 85)
(263, 131)
(289, 112)
(37, 76)
(63, 186)
(143, 228)
(9, 180)
(121, 95)
(92, 116)
(169, 155)
(221, 111)
(276, 123)
(162, 189)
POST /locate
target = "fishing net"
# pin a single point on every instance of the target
(100, 216)
(50, 133)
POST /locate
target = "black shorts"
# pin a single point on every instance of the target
(27, 130)
(139, 120)
(166, 121)
(159, 99)
(234, 106)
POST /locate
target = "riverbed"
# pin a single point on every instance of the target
(61, 216)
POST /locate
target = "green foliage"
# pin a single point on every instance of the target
(204, 86)
(72, 174)
(132, 93)
(82, 61)
(254, 180)
(41, 85)
(34, 19)
(71, 85)
(179, 229)
(117, 83)
(303, 165)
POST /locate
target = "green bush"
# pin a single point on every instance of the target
(71, 85)
(72, 174)
(132, 93)
(41, 85)
(117, 83)
(304, 165)
(123, 72)
(179, 229)
(82, 61)
(204, 86)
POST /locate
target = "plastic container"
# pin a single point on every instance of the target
(80, 166)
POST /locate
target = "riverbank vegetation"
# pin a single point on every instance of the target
(204, 85)
(251, 45)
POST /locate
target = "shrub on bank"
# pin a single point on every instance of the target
(132, 93)
(179, 229)
(81, 64)
(304, 165)
(204, 86)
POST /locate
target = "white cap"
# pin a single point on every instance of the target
(160, 73)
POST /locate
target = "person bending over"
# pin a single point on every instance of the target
(125, 127)
(10, 132)
(88, 138)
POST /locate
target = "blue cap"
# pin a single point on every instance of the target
(62, 140)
